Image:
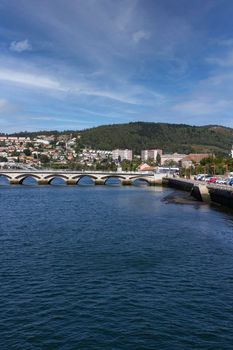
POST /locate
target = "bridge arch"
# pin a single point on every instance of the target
(115, 179)
(52, 176)
(85, 180)
(34, 179)
(59, 180)
(5, 175)
(22, 177)
(4, 179)
(19, 177)
(138, 181)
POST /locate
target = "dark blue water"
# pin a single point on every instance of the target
(113, 268)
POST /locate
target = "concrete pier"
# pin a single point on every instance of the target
(14, 182)
(43, 182)
(126, 182)
(204, 192)
(71, 182)
(99, 182)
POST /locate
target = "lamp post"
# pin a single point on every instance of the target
(190, 172)
(213, 169)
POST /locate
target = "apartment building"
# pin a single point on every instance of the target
(150, 154)
(122, 154)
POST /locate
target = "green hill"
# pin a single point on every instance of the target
(180, 138)
(169, 137)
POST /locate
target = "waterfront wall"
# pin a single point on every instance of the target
(180, 184)
(222, 196)
(203, 192)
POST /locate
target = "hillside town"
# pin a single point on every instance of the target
(66, 151)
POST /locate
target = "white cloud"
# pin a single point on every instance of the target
(226, 42)
(211, 98)
(3, 104)
(201, 107)
(141, 35)
(6, 106)
(44, 82)
(226, 61)
(33, 80)
(20, 46)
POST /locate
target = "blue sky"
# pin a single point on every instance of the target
(82, 63)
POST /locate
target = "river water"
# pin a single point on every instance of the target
(113, 268)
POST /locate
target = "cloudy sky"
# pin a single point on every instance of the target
(81, 63)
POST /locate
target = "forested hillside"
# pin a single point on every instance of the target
(142, 135)
(169, 137)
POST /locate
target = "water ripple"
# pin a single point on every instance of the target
(113, 268)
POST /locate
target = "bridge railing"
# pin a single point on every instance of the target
(66, 171)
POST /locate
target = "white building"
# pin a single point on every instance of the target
(175, 157)
(42, 141)
(122, 154)
(150, 154)
(14, 138)
(232, 152)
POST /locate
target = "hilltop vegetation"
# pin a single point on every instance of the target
(169, 137)
(142, 135)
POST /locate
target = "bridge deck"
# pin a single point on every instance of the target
(47, 171)
(46, 176)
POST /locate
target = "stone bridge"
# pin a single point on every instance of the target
(45, 177)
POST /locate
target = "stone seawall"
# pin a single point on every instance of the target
(202, 191)
(222, 196)
(181, 184)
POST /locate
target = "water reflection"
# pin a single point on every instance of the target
(57, 181)
(141, 182)
(113, 181)
(29, 181)
(86, 181)
(4, 181)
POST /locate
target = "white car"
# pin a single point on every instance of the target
(221, 181)
(200, 177)
(206, 178)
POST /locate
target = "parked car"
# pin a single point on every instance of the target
(206, 178)
(199, 176)
(212, 179)
(222, 181)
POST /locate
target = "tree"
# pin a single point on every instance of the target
(27, 152)
(29, 144)
(217, 165)
(44, 158)
(3, 159)
(158, 159)
(79, 147)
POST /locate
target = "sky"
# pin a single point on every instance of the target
(82, 63)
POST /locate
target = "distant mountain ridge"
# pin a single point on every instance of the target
(180, 138)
